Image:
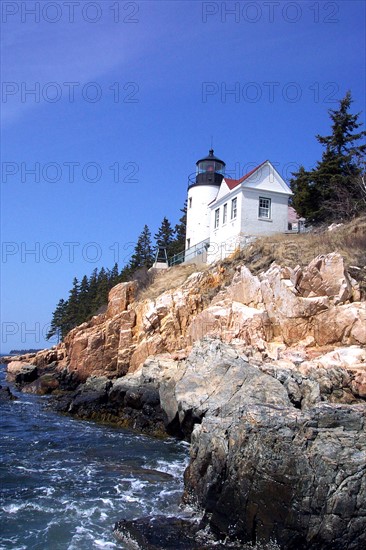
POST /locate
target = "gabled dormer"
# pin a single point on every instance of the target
(263, 177)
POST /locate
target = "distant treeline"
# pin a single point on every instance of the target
(88, 296)
(23, 351)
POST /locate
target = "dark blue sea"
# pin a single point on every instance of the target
(65, 482)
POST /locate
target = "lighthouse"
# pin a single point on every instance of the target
(203, 187)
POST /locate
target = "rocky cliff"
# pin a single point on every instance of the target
(266, 375)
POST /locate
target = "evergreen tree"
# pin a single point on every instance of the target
(72, 313)
(126, 274)
(306, 197)
(331, 190)
(143, 254)
(180, 232)
(113, 275)
(342, 141)
(57, 327)
(84, 303)
(102, 290)
(165, 236)
(86, 298)
(93, 288)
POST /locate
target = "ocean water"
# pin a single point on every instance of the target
(64, 482)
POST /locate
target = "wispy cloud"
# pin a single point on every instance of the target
(65, 52)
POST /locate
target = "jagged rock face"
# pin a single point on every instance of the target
(278, 450)
(316, 305)
(278, 447)
(263, 466)
(96, 347)
(151, 533)
(272, 472)
(213, 376)
(277, 424)
(17, 367)
(55, 357)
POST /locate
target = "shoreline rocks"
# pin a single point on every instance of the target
(275, 455)
(265, 375)
(170, 533)
(6, 394)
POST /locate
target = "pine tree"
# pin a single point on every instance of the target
(113, 275)
(126, 274)
(84, 303)
(342, 141)
(178, 244)
(87, 297)
(102, 290)
(332, 190)
(93, 288)
(57, 327)
(165, 236)
(306, 196)
(337, 172)
(143, 254)
(72, 312)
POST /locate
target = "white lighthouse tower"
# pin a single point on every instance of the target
(203, 187)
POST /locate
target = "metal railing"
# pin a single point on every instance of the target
(204, 249)
(205, 178)
(199, 249)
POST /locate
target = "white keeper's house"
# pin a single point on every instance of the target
(224, 214)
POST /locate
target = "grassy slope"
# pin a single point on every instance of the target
(349, 240)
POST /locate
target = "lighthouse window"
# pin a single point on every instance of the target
(234, 203)
(218, 167)
(217, 217)
(224, 214)
(190, 202)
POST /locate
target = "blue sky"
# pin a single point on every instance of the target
(126, 96)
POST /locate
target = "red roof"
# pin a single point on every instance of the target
(233, 183)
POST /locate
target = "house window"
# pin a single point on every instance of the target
(224, 214)
(234, 203)
(217, 217)
(264, 208)
(188, 243)
(190, 202)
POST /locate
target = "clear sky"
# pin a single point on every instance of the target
(107, 105)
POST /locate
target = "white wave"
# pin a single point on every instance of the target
(118, 489)
(12, 508)
(107, 501)
(100, 543)
(166, 493)
(34, 470)
(74, 507)
(129, 498)
(137, 485)
(82, 535)
(15, 508)
(48, 491)
(174, 468)
(13, 547)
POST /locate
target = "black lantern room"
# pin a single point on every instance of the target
(210, 171)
